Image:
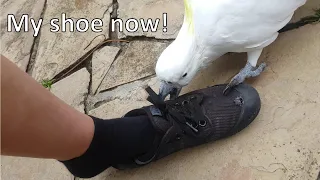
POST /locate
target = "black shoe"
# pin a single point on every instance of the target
(195, 118)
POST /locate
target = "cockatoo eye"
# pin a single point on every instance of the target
(185, 75)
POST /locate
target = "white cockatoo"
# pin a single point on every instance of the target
(212, 28)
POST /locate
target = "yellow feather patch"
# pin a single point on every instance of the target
(189, 16)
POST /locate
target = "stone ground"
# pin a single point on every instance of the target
(107, 79)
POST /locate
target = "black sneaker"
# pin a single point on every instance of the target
(195, 118)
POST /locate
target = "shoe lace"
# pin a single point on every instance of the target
(188, 113)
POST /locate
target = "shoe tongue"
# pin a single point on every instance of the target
(158, 120)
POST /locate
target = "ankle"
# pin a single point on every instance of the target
(80, 139)
(114, 141)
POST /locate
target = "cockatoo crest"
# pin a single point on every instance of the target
(188, 16)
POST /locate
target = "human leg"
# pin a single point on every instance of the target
(37, 124)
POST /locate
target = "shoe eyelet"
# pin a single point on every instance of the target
(202, 123)
(178, 137)
(185, 102)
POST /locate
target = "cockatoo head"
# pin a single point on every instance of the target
(175, 68)
(181, 60)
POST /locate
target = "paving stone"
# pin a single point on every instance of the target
(137, 61)
(73, 89)
(123, 99)
(59, 50)
(18, 168)
(101, 62)
(153, 9)
(17, 46)
(116, 108)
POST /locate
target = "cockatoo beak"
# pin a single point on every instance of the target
(169, 89)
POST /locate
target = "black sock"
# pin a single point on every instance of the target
(114, 141)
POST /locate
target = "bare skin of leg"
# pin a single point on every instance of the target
(35, 123)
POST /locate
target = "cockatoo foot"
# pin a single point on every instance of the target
(247, 72)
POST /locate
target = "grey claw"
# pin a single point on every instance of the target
(263, 65)
(228, 88)
(246, 72)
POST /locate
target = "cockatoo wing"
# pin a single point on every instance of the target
(240, 25)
